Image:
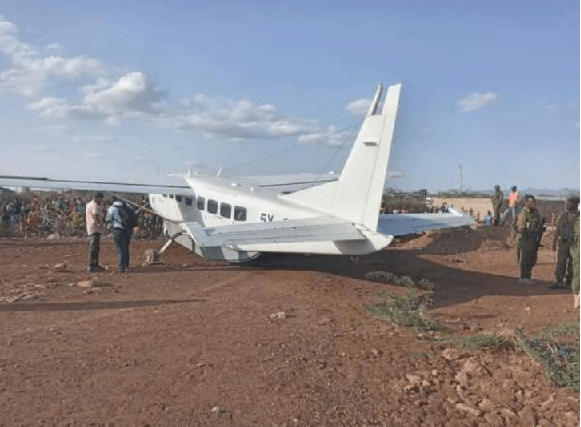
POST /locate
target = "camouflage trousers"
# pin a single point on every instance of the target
(496, 219)
(527, 260)
(564, 267)
(576, 273)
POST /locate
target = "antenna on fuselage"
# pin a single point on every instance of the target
(219, 174)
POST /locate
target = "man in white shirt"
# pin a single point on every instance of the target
(95, 226)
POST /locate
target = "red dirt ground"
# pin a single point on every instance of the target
(198, 343)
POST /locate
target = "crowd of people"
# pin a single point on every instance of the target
(58, 215)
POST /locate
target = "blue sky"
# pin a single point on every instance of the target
(133, 88)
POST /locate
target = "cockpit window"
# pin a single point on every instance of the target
(225, 210)
(212, 206)
(239, 213)
(189, 201)
(179, 199)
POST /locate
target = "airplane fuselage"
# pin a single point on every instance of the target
(217, 202)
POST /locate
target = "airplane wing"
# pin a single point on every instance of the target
(402, 224)
(291, 231)
(161, 184)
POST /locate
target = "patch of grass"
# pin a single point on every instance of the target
(475, 342)
(568, 329)
(560, 359)
(405, 310)
(400, 310)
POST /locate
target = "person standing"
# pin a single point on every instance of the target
(576, 266)
(562, 243)
(529, 228)
(95, 227)
(497, 200)
(118, 216)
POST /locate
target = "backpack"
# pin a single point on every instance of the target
(565, 226)
(129, 218)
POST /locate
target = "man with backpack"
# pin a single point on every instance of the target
(122, 220)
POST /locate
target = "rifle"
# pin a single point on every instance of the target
(541, 231)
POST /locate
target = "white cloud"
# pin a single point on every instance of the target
(42, 148)
(130, 96)
(236, 119)
(52, 46)
(57, 129)
(359, 107)
(91, 139)
(332, 138)
(144, 159)
(28, 72)
(475, 101)
(93, 156)
(552, 106)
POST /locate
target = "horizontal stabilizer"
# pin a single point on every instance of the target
(317, 229)
(402, 224)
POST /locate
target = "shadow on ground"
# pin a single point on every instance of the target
(88, 306)
(452, 286)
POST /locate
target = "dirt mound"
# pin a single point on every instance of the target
(463, 239)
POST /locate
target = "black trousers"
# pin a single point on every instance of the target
(94, 245)
(122, 238)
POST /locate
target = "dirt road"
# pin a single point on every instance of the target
(289, 343)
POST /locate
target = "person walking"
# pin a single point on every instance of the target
(95, 227)
(497, 200)
(122, 220)
(513, 201)
(529, 229)
(562, 243)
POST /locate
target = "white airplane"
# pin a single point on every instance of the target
(237, 219)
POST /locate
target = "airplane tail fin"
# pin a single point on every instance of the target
(356, 196)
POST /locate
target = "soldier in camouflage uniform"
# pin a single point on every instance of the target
(575, 256)
(529, 229)
(563, 240)
(497, 200)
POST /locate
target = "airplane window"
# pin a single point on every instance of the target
(201, 203)
(239, 213)
(212, 206)
(189, 201)
(179, 199)
(225, 210)
(171, 196)
(164, 195)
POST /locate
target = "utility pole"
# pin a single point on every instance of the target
(461, 177)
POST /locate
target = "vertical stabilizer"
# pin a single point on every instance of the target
(356, 196)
